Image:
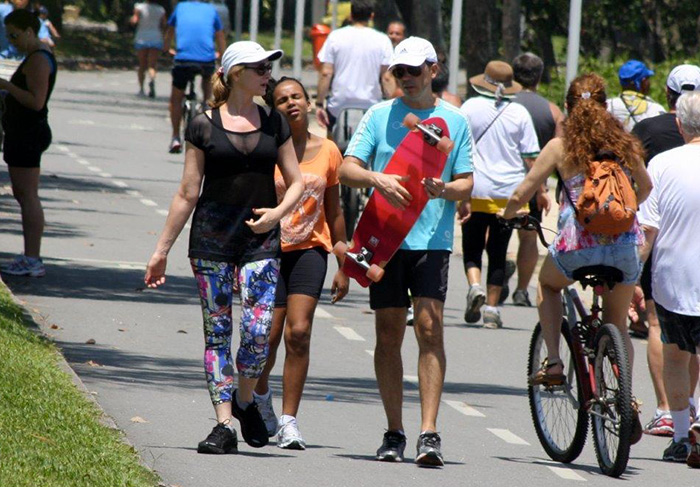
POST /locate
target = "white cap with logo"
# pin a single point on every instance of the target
(413, 51)
(685, 77)
(246, 52)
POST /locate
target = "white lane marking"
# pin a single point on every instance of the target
(413, 379)
(134, 193)
(148, 202)
(464, 408)
(94, 169)
(84, 162)
(322, 313)
(349, 333)
(161, 211)
(566, 474)
(105, 175)
(81, 122)
(508, 437)
(66, 261)
(63, 148)
(121, 184)
(370, 352)
(73, 155)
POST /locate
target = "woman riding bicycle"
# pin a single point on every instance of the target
(590, 133)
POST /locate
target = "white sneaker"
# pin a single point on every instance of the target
(289, 437)
(267, 413)
(21, 266)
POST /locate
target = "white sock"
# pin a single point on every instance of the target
(286, 418)
(262, 397)
(660, 412)
(229, 423)
(691, 402)
(241, 404)
(493, 309)
(681, 424)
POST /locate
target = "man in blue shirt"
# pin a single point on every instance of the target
(421, 264)
(194, 25)
(5, 48)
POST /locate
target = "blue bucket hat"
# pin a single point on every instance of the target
(634, 71)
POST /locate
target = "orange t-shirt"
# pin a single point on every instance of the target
(306, 226)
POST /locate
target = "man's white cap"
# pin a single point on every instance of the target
(246, 52)
(413, 51)
(685, 77)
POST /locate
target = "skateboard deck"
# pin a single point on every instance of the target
(382, 228)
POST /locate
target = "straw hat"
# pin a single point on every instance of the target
(496, 72)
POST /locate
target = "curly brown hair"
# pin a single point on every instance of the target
(590, 130)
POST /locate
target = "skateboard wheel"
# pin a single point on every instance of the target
(340, 248)
(410, 121)
(375, 273)
(445, 145)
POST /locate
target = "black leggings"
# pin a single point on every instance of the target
(474, 240)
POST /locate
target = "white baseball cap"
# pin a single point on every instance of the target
(246, 52)
(685, 77)
(413, 51)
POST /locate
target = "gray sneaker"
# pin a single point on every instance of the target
(267, 413)
(289, 437)
(428, 451)
(492, 320)
(476, 297)
(392, 448)
(521, 298)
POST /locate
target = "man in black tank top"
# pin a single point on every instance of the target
(548, 120)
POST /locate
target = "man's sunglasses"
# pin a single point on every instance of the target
(260, 69)
(400, 71)
(13, 36)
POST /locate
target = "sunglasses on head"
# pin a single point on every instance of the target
(400, 71)
(260, 69)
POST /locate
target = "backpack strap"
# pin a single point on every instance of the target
(491, 123)
(566, 190)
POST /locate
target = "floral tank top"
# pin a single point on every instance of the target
(572, 236)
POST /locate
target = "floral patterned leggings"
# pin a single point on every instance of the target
(258, 282)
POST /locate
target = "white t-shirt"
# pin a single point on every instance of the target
(631, 108)
(498, 155)
(357, 55)
(674, 208)
(150, 17)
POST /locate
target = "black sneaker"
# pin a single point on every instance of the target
(677, 451)
(511, 267)
(151, 89)
(221, 440)
(253, 427)
(392, 447)
(428, 451)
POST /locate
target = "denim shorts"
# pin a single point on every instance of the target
(624, 257)
(148, 45)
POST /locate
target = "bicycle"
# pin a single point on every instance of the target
(597, 382)
(353, 199)
(190, 107)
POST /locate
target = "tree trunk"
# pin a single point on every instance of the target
(423, 18)
(479, 46)
(510, 28)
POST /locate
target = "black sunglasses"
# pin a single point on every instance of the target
(260, 69)
(400, 71)
(13, 36)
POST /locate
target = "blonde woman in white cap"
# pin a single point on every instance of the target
(228, 180)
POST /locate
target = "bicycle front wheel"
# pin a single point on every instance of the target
(611, 410)
(561, 421)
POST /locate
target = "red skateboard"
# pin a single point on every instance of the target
(382, 227)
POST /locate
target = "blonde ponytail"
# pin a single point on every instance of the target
(221, 89)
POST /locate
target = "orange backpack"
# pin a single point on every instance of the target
(608, 204)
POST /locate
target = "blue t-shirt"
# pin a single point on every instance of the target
(195, 24)
(5, 9)
(380, 132)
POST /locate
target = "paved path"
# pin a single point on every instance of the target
(106, 185)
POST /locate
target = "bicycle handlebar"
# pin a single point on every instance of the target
(525, 222)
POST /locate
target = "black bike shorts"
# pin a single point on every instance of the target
(24, 148)
(301, 272)
(185, 72)
(424, 272)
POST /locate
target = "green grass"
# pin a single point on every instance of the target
(50, 433)
(117, 48)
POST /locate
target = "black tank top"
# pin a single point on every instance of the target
(16, 116)
(541, 114)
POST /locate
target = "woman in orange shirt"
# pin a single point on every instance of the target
(308, 235)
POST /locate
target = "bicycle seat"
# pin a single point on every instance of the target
(596, 275)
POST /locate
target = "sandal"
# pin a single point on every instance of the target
(637, 430)
(543, 377)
